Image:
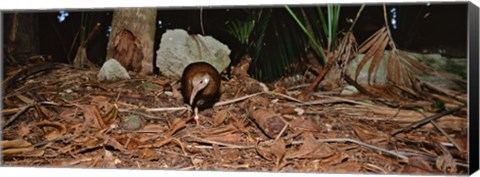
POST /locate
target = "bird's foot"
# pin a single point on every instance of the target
(196, 120)
(196, 116)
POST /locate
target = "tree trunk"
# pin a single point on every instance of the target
(20, 37)
(131, 40)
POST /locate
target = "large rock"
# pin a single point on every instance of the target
(178, 49)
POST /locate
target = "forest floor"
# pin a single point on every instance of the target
(64, 117)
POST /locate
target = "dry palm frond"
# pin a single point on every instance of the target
(346, 50)
(374, 48)
(400, 68)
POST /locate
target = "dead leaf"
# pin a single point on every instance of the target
(12, 151)
(369, 136)
(287, 110)
(278, 149)
(229, 138)
(337, 158)
(25, 99)
(127, 141)
(70, 115)
(109, 160)
(112, 142)
(146, 153)
(446, 163)
(175, 126)
(52, 130)
(47, 112)
(312, 149)
(23, 130)
(18, 143)
(154, 127)
(220, 117)
(269, 150)
(412, 169)
(92, 116)
(373, 45)
(220, 131)
(10, 147)
(176, 94)
(302, 125)
(32, 153)
(419, 163)
(346, 167)
(280, 89)
(110, 117)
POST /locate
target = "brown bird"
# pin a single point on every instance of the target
(200, 86)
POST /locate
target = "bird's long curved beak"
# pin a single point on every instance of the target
(194, 93)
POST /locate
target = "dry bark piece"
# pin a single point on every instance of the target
(270, 123)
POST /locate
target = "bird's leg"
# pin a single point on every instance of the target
(196, 116)
(189, 110)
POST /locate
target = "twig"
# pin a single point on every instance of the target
(9, 121)
(358, 86)
(320, 76)
(335, 100)
(156, 109)
(236, 99)
(445, 91)
(356, 18)
(201, 20)
(357, 142)
(298, 87)
(283, 130)
(252, 95)
(60, 138)
(426, 120)
(446, 134)
(220, 143)
(285, 96)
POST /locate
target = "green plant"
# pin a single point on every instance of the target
(275, 43)
(329, 27)
(241, 30)
(268, 41)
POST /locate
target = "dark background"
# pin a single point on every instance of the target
(445, 27)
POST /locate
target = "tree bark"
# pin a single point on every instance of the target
(132, 38)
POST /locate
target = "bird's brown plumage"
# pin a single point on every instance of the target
(206, 96)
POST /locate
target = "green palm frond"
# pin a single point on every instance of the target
(241, 30)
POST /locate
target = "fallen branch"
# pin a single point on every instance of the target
(426, 120)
